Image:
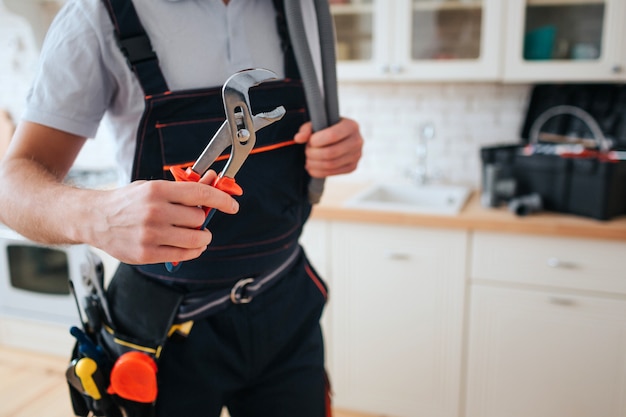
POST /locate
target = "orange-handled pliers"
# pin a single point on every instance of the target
(237, 131)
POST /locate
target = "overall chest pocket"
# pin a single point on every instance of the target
(183, 141)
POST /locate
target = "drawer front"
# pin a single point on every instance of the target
(570, 263)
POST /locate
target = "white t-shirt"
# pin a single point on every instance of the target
(83, 76)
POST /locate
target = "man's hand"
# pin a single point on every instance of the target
(331, 151)
(143, 222)
(157, 221)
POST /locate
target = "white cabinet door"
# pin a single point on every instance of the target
(315, 240)
(363, 38)
(545, 354)
(398, 297)
(455, 40)
(565, 40)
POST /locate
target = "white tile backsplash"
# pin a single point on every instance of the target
(465, 117)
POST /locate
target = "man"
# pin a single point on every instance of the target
(262, 358)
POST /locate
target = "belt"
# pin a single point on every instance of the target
(195, 307)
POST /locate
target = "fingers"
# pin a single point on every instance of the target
(157, 221)
(209, 177)
(192, 194)
(304, 133)
(333, 151)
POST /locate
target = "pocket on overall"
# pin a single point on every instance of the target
(183, 141)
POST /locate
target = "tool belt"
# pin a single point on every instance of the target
(114, 362)
(115, 358)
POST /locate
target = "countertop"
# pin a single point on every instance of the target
(472, 217)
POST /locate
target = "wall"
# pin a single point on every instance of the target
(19, 50)
(464, 117)
(18, 58)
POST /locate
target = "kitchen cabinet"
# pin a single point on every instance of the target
(397, 318)
(465, 40)
(417, 39)
(547, 327)
(315, 241)
(573, 40)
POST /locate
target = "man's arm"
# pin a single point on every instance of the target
(144, 222)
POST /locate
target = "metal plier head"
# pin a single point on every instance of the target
(238, 131)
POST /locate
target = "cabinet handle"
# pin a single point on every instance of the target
(398, 256)
(557, 263)
(562, 301)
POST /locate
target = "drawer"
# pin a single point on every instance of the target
(570, 263)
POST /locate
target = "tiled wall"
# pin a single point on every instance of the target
(464, 117)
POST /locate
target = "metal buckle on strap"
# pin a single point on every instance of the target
(236, 293)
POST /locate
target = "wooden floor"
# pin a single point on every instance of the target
(32, 384)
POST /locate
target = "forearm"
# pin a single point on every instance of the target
(36, 204)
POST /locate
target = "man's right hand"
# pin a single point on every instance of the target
(157, 221)
(143, 222)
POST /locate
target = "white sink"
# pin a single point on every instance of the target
(408, 198)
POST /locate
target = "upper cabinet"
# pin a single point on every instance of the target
(417, 39)
(492, 40)
(556, 40)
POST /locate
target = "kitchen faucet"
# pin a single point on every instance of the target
(420, 173)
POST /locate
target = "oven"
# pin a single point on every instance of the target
(34, 278)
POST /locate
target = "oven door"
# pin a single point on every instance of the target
(34, 278)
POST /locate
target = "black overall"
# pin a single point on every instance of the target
(260, 359)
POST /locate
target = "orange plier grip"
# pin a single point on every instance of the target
(226, 184)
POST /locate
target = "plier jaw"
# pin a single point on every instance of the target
(242, 144)
(237, 132)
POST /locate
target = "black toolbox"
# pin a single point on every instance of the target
(591, 184)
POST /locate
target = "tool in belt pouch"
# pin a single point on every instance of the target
(113, 368)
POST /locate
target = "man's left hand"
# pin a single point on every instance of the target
(331, 151)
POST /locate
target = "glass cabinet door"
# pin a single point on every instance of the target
(446, 30)
(565, 40)
(451, 40)
(354, 26)
(363, 36)
(563, 30)
(417, 39)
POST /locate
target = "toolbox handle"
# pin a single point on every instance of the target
(603, 143)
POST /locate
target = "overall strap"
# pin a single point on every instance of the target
(136, 46)
(291, 67)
